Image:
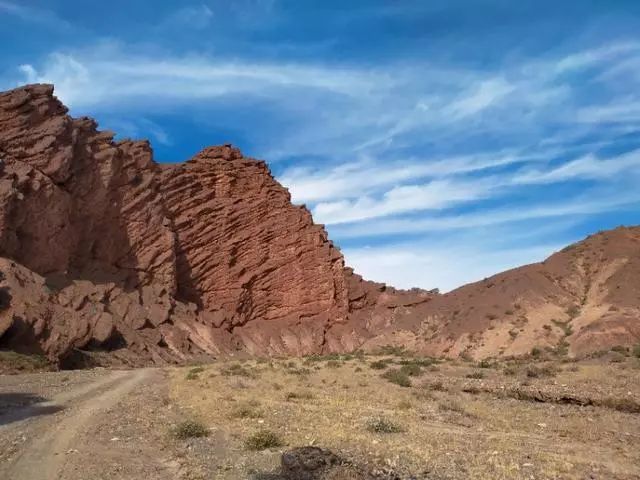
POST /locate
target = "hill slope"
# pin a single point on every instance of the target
(581, 299)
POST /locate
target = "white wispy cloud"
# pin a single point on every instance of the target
(588, 203)
(385, 150)
(197, 16)
(39, 16)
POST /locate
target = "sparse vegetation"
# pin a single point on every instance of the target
(476, 375)
(379, 364)
(263, 439)
(193, 373)
(573, 311)
(236, 369)
(21, 362)
(299, 396)
(398, 377)
(412, 370)
(451, 405)
(382, 425)
(534, 371)
(190, 429)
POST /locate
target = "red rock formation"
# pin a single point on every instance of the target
(159, 262)
(102, 249)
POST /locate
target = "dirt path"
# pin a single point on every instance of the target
(53, 430)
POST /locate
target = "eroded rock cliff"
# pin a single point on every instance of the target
(104, 249)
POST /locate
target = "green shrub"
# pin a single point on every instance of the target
(485, 363)
(237, 370)
(476, 375)
(22, 362)
(263, 439)
(382, 425)
(391, 350)
(620, 349)
(398, 377)
(379, 364)
(246, 410)
(190, 429)
(543, 371)
(411, 370)
(636, 351)
(193, 373)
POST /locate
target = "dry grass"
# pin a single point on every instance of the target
(452, 426)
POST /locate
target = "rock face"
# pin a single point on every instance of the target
(104, 249)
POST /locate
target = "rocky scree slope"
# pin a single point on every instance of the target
(583, 299)
(102, 249)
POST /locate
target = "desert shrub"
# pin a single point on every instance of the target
(237, 370)
(298, 396)
(636, 351)
(616, 357)
(536, 352)
(573, 311)
(246, 410)
(534, 371)
(620, 349)
(193, 373)
(298, 371)
(22, 362)
(334, 364)
(382, 425)
(421, 362)
(391, 350)
(472, 389)
(510, 370)
(398, 377)
(476, 375)
(622, 404)
(379, 364)
(263, 439)
(437, 386)
(423, 395)
(190, 429)
(491, 316)
(405, 405)
(411, 370)
(451, 405)
(485, 363)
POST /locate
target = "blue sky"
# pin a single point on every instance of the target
(438, 141)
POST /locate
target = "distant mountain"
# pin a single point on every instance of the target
(582, 299)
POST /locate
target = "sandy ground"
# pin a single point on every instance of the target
(83, 424)
(456, 420)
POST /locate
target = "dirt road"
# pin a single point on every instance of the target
(67, 425)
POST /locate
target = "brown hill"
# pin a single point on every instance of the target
(582, 299)
(104, 250)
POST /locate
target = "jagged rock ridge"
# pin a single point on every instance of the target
(102, 248)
